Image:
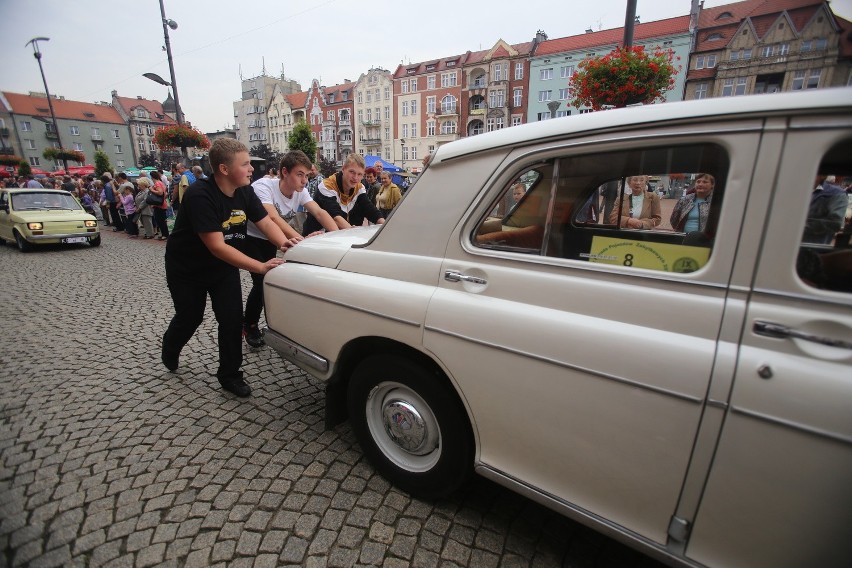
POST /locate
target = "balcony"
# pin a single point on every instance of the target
(369, 123)
(346, 143)
(447, 112)
(371, 141)
(344, 123)
(442, 138)
(97, 137)
(4, 132)
(51, 135)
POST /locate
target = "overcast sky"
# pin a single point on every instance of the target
(99, 45)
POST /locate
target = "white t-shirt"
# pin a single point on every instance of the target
(267, 191)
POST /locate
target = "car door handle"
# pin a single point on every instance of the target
(453, 276)
(777, 330)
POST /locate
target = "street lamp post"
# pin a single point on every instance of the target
(401, 151)
(167, 23)
(37, 55)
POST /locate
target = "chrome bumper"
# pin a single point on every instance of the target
(61, 236)
(294, 352)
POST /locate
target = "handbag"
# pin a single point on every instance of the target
(154, 199)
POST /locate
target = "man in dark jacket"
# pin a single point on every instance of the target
(826, 211)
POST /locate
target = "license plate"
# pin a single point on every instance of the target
(75, 240)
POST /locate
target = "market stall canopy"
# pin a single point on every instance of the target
(82, 170)
(371, 160)
(39, 172)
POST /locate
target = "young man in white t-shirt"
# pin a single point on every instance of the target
(280, 197)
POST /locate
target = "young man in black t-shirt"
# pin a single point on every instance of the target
(203, 257)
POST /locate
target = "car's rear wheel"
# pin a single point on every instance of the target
(411, 425)
(23, 245)
(96, 242)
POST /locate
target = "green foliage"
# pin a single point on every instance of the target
(301, 139)
(10, 160)
(146, 160)
(102, 164)
(24, 168)
(64, 155)
(326, 167)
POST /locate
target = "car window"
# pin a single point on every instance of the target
(45, 200)
(824, 258)
(652, 208)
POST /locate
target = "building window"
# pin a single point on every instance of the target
(775, 49)
(519, 70)
(329, 115)
(149, 130)
(414, 152)
(387, 133)
(546, 74)
(387, 93)
(517, 97)
(430, 104)
(544, 96)
(139, 129)
(561, 113)
(359, 97)
(586, 110)
(497, 98)
(449, 127)
(414, 130)
(26, 126)
(369, 96)
(404, 108)
(152, 147)
(405, 130)
(360, 115)
(119, 163)
(489, 125)
(741, 86)
(387, 113)
(115, 133)
(430, 82)
(516, 121)
(34, 161)
(118, 149)
(430, 128)
(75, 131)
(543, 115)
(404, 86)
(803, 79)
(412, 85)
(701, 91)
(369, 115)
(566, 71)
(414, 107)
(500, 71)
(448, 104)
(31, 145)
(405, 153)
(563, 94)
(448, 79)
(141, 145)
(705, 61)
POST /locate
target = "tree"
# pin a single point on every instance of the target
(326, 166)
(24, 168)
(146, 160)
(264, 151)
(102, 164)
(301, 139)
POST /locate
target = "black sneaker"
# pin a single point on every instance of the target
(254, 337)
(236, 385)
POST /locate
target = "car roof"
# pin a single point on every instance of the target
(36, 190)
(817, 101)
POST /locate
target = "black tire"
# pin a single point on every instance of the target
(411, 426)
(23, 245)
(96, 242)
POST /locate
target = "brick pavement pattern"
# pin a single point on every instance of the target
(107, 459)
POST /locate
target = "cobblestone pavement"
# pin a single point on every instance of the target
(106, 459)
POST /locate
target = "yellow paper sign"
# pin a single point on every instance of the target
(653, 256)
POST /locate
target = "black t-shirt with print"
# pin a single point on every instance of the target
(205, 209)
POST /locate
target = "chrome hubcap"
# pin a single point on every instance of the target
(404, 425)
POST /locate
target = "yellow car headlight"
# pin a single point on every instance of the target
(35, 226)
(91, 223)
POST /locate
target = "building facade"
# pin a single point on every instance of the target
(337, 138)
(374, 118)
(765, 47)
(555, 62)
(143, 118)
(250, 112)
(86, 127)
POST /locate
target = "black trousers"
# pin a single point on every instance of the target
(262, 250)
(160, 221)
(189, 295)
(113, 214)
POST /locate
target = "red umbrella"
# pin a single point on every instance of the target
(59, 172)
(81, 170)
(39, 172)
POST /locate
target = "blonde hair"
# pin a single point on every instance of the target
(223, 150)
(355, 160)
(143, 182)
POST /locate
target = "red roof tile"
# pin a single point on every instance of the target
(154, 108)
(669, 26)
(73, 110)
(297, 100)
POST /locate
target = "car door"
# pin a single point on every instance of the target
(585, 368)
(779, 491)
(5, 223)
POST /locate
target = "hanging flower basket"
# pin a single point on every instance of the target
(167, 137)
(625, 76)
(10, 160)
(63, 154)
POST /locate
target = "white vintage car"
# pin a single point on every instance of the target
(681, 382)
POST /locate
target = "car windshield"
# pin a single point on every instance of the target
(43, 200)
